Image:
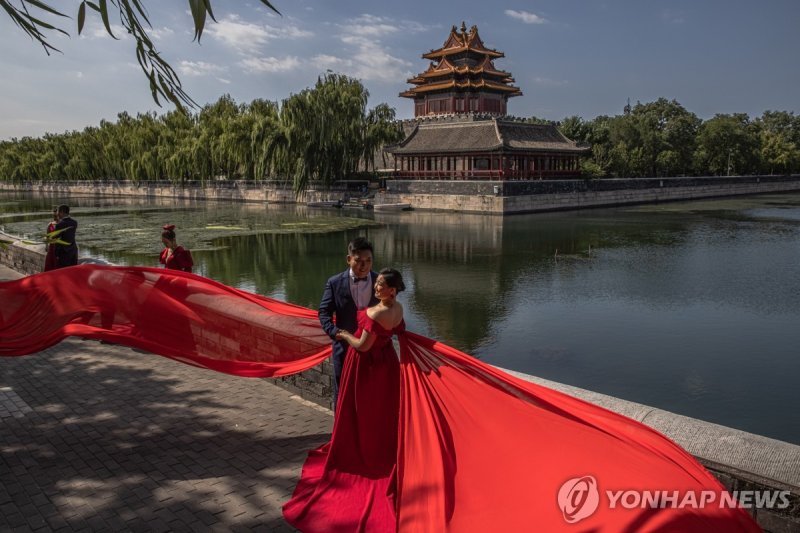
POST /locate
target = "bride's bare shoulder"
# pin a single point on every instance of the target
(387, 317)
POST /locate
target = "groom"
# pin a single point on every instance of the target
(67, 253)
(345, 294)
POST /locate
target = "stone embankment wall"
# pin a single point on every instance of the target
(25, 258)
(509, 197)
(490, 197)
(242, 191)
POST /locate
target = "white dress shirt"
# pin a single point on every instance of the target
(361, 290)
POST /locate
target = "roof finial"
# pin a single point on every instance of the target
(463, 27)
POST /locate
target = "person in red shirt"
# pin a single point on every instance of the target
(174, 256)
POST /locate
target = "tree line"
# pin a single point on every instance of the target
(326, 133)
(322, 134)
(662, 138)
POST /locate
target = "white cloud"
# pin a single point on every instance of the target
(673, 17)
(199, 68)
(370, 26)
(525, 16)
(99, 32)
(548, 82)
(247, 38)
(373, 26)
(160, 33)
(269, 64)
(358, 40)
(370, 59)
(367, 63)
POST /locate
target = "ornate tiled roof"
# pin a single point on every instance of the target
(464, 85)
(463, 41)
(470, 133)
(463, 64)
(446, 68)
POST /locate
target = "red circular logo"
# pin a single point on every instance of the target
(578, 498)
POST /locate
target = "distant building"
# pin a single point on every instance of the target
(461, 129)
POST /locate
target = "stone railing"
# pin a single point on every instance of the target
(17, 254)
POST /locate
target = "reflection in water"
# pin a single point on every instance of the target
(691, 307)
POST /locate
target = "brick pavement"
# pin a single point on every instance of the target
(98, 437)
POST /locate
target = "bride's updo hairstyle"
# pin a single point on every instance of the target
(393, 279)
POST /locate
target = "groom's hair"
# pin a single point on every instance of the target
(359, 244)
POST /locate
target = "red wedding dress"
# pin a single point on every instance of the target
(347, 484)
(442, 442)
(50, 258)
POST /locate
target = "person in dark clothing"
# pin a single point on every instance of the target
(346, 293)
(66, 254)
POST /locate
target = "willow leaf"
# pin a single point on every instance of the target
(104, 16)
(81, 17)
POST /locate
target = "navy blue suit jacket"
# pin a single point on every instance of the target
(66, 254)
(338, 301)
(68, 235)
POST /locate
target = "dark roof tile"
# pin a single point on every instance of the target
(483, 135)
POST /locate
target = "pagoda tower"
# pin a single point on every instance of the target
(461, 130)
(462, 79)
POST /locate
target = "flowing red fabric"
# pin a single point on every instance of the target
(484, 451)
(475, 449)
(168, 312)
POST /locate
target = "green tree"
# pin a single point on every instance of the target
(727, 145)
(325, 132)
(654, 139)
(380, 129)
(598, 135)
(575, 128)
(779, 142)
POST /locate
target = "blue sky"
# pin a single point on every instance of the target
(583, 57)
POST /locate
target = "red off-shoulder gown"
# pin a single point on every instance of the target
(348, 484)
(50, 258)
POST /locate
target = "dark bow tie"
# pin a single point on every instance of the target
(356, 280)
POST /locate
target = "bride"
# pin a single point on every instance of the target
(347, 483)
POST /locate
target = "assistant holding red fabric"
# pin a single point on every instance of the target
(173, 256)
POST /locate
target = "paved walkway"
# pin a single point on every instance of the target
(98, 437)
